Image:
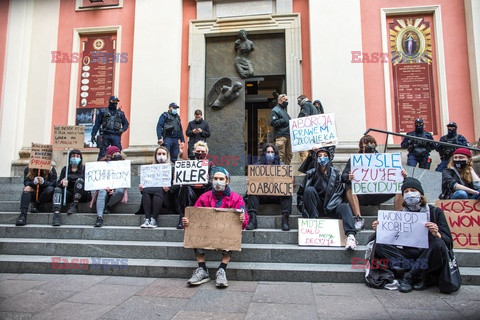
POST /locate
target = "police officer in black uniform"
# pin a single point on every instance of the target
(112, 123)
(418, 150)
(446, 151)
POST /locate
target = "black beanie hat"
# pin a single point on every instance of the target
(410, 182)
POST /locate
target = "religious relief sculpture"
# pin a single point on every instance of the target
(243, 47)
(223, 92)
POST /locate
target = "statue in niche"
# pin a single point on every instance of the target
(223, 92)
(243, 47)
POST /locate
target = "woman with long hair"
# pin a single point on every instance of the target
(459, 180)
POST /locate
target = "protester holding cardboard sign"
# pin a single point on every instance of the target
(270, 157)
(419, 263)
(459, 180)
(46, 180)
(154, 198)
(367, 144)
(74, 182)
(220, 197)
(321, 195)
(105, 199)
(188, 194)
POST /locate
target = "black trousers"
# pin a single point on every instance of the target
(44, 196)
(285, 203)
(314, 210)
(414, 260)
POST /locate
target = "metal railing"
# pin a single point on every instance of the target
(417, 138)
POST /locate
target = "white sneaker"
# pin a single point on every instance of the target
(153, 223)
(351, 242)
(146, 224)
(359, 222)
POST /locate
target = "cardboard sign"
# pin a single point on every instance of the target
(463, 218)
(70, 137)
(212, 228)
(313, 131)
(376, 173)
(40, 156)
(402, 228)
(107, 174)
(191, 172)
(271, 180)
(156, 175)
(321, 232)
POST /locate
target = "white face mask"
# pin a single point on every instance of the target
(219, 185)
(413, 200)
(161, 159)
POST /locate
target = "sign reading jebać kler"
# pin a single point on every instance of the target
(191, 172)
(402, 228)
(156, 175)
(376, 173)
(107, 174)
(273, 180)
(313, 131)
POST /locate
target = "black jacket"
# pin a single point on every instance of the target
(418, 147)
(279, 120)
(334, 193)
(195, 137)
(450, 177)
(307, 109)
(50, 181)
(72, 176)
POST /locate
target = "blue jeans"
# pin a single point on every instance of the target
(172, 145)
(109, 140)
(412, 161)
(104, 199)
(461, 194)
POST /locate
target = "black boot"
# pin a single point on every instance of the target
(420, 283)
(73, 208)
(34, 207)
(252, 222)
(99, 222)
(405, 283)
(56, 222)
(285, 225)
(180, 223)
(22, 219)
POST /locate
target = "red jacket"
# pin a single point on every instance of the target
(230, 199)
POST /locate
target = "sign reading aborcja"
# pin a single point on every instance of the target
(272, 180)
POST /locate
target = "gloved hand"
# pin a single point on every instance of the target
(38, 180)
(93, 139)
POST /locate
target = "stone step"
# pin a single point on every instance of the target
(269, 253)
(168, 234)
(237, 271)
(165, 220)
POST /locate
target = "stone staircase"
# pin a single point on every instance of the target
(268, 254)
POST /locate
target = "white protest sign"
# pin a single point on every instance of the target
(107, 174)
(376, 173)
(191, 172)
(314, 131)
(320, 232)
(402, 228)
(156, 175)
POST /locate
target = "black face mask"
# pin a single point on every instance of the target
(112, 105)
(117, 157)
(370, 149)
(460, 164)
(419, 129)
(200, 156)
(285, 104)
(452, 133)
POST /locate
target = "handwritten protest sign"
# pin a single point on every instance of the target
(463, 218)
(321, 232)
(270, 180)
(156, 175)
(71, 137)
(191, 172)
(213, 228)
(40, 156)
(402, 228)
(107, 174)
(314, 131)
(376, 173)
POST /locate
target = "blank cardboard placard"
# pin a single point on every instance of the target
(212, 228)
